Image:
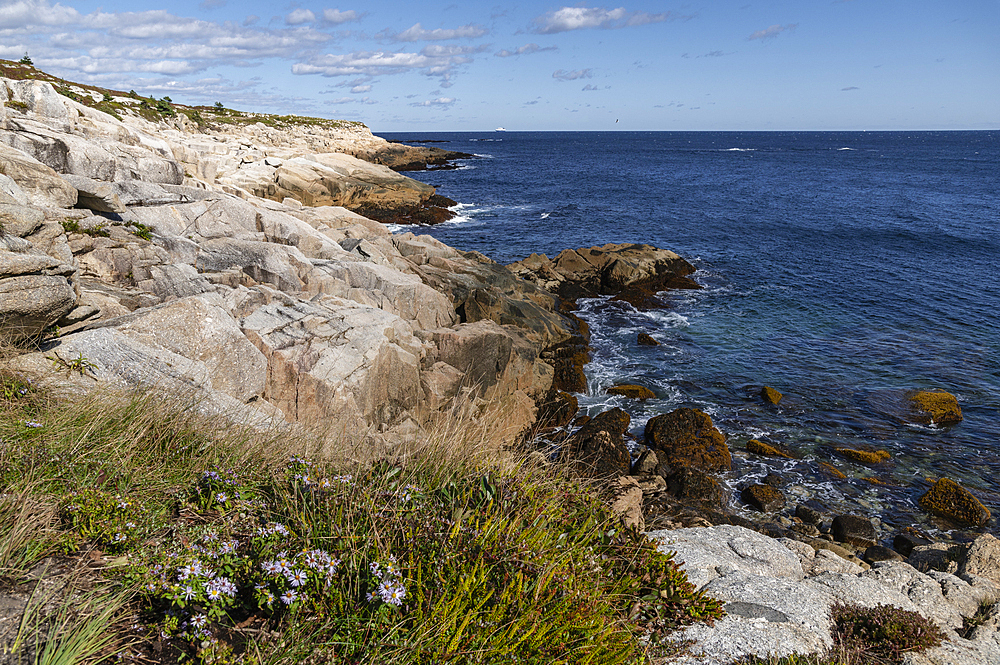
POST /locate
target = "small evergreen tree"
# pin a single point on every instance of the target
(26, 60)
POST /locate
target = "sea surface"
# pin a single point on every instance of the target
(842, 268)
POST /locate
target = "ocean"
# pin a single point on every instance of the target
(842, 268)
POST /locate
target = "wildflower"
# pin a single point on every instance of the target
(270, 567)
(393, 595)
(280, 529)
(392, 569)
(376, 569)
(284, 565)
(125, 504)
(325, 484)
(297, 578)
(32, 423)
(214, 593)
(312, 560)
(188, 592)
(130, 525)
(199, 620)
(119, 537)
(289, 597)
(228, 547)
(268, 597)
(221, 497)
(151, 586)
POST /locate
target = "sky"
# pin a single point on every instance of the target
(475, 65)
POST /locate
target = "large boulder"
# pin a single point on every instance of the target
(201, 329)
(335, 359)
(688, 439)
(39, 182)
(633, 272)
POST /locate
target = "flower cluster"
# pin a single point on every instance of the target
(112, 521)
(218, 489)
(389, 587)
(292, 578)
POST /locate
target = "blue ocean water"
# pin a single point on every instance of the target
(842, 268)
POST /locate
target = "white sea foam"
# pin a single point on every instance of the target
(740, 150)
(845, 148)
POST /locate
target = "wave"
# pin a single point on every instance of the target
(738, 149)
(845, 148)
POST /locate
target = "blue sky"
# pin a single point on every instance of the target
(474, 65)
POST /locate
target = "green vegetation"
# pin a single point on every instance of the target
(879, 635)
(73, 226)
(26, 60)
(225, 544)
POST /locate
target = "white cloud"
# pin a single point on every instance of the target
(433, 60)
(582, 18)
(299, 16)
(417, 33)
(361, 88)
(440, 101)
(772, 31)
(336, 17)
(563, 75)
(524, 50)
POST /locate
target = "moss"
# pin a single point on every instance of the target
(936, 408)
(770, 395)
(632, 391)
(760, 448)
(20, 106)
(73, 226)
(831, 470)
(950, 500)
(688, 438)
(864, 456)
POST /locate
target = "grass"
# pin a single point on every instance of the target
(233, 545)
(155, 110)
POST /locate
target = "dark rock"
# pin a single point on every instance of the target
(876, 553)
(646, 464)
(905, 542)
(632, 391)
(774, 480)
(646, 340)
(770, 395)
(864, 456)
(936, 556)
(688, 439)
(937, 408)
(952, 501)
(853, 530)
(557, 409)
(698, 486)
(808, 514)
(598, 449)
(764, 498)
(806, 529)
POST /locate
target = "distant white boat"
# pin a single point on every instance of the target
(500, 129)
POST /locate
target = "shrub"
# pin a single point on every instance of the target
(884, 631)
(26, 60)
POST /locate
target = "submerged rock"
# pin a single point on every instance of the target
(770, 395)
(949, 499)
(864, 456)
(645, 339)
(935, 408)
(632, 391)
(761, 448)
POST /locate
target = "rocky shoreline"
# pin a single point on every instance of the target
(245, 265)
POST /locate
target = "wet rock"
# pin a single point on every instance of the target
(607, 270)
(770, 395)
(805, 529)
(774, 480)
(853, 530)
(764, 498)
(697, 486)
(809, 514)
(831, 471)
(632, 391)
(598, 449)
(935, 408)
(645, 340)
(904, 543)
(936, 556)
(876, 553)
(760, 448)
(864, 456)
(948, 499)
(646, 463)
(688, 438)
(557, 409)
